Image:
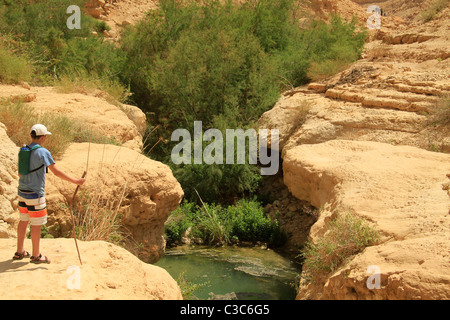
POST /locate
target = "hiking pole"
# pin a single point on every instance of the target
(73, 219)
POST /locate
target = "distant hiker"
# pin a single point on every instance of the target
(34, 161)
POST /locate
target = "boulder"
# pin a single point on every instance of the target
(95, 112)
(401, 191)
(142, 191)
(9, 178)
(307, 118)
(91, 109)
(108, 272)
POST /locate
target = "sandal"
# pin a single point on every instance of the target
(38, 259)
(20, 256)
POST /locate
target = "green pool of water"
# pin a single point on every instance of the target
(242, 273)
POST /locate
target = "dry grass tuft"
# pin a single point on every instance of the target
(19, 117)
(98, 217)
(435, 7)
(347, 235)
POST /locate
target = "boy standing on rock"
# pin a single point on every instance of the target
(32, 204)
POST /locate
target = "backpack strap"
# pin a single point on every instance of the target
(31, 149)
(34, 148)
(36, 169)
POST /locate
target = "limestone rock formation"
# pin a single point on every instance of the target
(125, 124)
(119, 13)
(361, 142)
(145, 191)
(9, 216)
(400, 191)
(108, 272)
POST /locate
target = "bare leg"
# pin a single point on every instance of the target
(21, 232)
(35, 239)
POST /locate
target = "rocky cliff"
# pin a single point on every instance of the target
(363, 142)
(139, 191)
(144, 192)
(401, 191)
(8, 185)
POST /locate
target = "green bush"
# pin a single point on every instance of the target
(40, 29)
(218, 182)
(179, 221)
(13, 68)
(249, 223)
(190, 62)
(90, 56)
(328, 49)
(210, 226)
(33, 19)
(216, 224)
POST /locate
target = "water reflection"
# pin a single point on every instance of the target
(234, 273)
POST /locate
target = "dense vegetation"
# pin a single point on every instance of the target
(215, 224)
(225, 65)
(217, 62)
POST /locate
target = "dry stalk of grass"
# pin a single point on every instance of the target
(112, 91)
(99, 215)
(99, 218)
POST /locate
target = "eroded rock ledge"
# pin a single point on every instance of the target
(402, 191)
(147, 189)
(108, 273)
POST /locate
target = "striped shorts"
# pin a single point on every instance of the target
(32, 208)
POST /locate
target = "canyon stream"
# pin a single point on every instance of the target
(233, 273)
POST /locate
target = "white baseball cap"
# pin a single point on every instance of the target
(40, 130)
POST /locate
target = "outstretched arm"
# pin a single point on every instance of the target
(61, 174)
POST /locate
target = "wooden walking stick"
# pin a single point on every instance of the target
(73, 218)
(73, 200)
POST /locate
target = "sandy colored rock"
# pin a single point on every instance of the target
(307, 118)
(108, 272)
(137, 116)
(124, 123)
(400, 191)
(383, 97)
(119, 13)
(8, 185)
(345, 8)
(146, 190)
